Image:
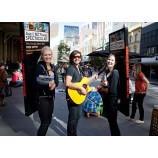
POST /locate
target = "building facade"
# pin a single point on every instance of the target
(134, 38)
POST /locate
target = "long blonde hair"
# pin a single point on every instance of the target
(137, 69)
(43, 50)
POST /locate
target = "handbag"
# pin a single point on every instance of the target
(6, 91)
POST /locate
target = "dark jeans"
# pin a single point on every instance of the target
(111, 112)
(138, 98)
(75, 112)
(45, 111)
(63, 77)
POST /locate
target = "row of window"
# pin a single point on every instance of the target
(152, 50)
(150, 36)
(135, 38)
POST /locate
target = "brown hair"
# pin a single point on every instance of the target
(137, 69)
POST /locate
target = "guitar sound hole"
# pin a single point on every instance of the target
(84, 86)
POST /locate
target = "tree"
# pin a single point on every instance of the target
(63, 49)
(97, 61)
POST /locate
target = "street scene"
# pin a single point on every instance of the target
(34, 58)
(13, 121)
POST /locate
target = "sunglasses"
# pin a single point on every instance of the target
(75, 57)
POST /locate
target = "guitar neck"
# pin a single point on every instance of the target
(93, 77)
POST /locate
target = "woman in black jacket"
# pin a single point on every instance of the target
(110, 83)
(46, 80)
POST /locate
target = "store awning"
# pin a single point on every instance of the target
(105, 53)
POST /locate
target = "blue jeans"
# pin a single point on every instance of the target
(19, 83)
(75, 112)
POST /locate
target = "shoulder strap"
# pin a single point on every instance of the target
(44, 69)
(53, 67)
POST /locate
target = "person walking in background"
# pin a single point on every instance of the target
(130, 90)
(87, 71)
(63, 72)
(3, 81)
(46, 88)
(110, 84)
(17, 79)
(141, 87)
(74, 74)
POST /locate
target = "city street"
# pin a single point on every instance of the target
(13, 121)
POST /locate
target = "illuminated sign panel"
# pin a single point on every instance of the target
(34, 36)
(117, 40)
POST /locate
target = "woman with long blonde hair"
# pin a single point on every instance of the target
(141, 87)
(46, 80)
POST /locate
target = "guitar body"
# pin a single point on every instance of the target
(75, 95)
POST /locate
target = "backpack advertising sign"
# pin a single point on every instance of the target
(118, 45)
(33, 37)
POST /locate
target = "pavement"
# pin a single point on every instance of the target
(13, 121)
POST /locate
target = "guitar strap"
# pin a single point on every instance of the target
(52, 67)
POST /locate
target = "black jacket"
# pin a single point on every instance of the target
(43, 89)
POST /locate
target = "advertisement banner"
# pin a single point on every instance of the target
(118, 45)
(33, 37)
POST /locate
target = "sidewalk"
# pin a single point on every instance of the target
(13, 121)
(153, 81)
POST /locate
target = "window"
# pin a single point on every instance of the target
(135, 48)
(130, 39)
(136, 37)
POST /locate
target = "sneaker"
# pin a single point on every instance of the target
(87, 114)
(139, 121)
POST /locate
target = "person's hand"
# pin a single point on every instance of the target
(52, 87)
(51, 83)
(96, 76)
(83, 91)
(105, 83)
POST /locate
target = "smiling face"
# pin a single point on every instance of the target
(111, 61)
(47, 56)
(76, 59)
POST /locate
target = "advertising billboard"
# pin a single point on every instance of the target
(117, 40)
(33, 36)
(118, 45)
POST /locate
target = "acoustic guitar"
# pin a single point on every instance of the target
(75, 95)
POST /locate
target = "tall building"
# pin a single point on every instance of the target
(120, 25)
(134, 38)
(71, 31)
(149, 39)
(100, 34)
(71, 37)
(108, 30)
(87, 38)
(149, 47)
